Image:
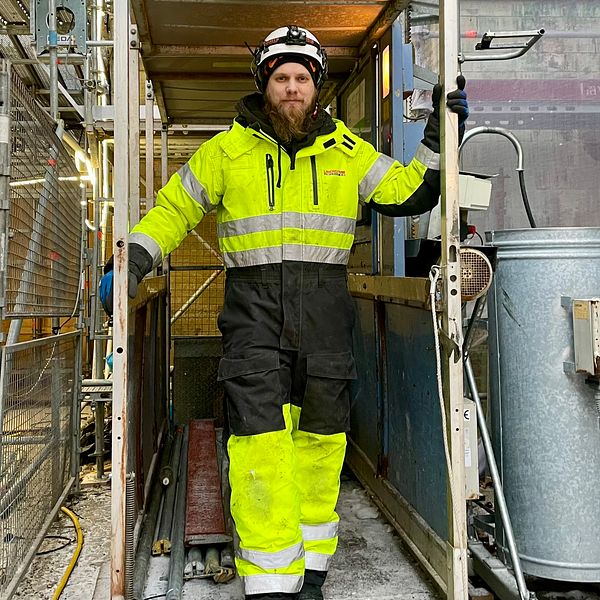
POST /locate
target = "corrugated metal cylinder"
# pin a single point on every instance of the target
(546, 428)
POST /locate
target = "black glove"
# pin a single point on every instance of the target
(140, 264)
(457, 103)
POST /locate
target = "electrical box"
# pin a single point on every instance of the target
(471, 449)
(71, 26)
(586, 335)
(474, 191)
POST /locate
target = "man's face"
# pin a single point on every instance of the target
(291, 90)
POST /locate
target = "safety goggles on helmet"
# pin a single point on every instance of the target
(289, 44)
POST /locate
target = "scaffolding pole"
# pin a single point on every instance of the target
(452, 368)
(121, 83)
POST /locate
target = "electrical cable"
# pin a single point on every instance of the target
(526, 199)
(67, 541)
(73, 561)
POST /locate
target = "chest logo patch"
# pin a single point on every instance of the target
(336, 172)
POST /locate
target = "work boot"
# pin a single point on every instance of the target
(311, 589)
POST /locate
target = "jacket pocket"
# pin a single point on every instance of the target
(252, 392)
(326, 403)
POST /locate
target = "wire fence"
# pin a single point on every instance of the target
(37, 394)
(197, 282)
(44, 225)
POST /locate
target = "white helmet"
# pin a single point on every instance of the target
(289, 44)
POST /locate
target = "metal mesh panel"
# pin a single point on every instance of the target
(196, 392)
(36, 402)
(197, 282)
(43, 258)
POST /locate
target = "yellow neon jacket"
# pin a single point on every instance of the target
(272, 207)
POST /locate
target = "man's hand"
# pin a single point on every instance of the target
(140, 264)
(456, 101)
(106, 290)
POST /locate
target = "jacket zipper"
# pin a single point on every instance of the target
(315, 183)
(270, 181)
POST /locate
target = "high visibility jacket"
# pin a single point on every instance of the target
(272, 207)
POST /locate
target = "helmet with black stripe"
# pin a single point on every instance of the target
(289, 44)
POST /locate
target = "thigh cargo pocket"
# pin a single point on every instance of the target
(253, 393)
(326, 403)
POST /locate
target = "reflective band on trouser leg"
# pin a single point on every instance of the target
(319, 460)
(266, 511)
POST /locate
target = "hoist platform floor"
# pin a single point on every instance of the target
(371, 562)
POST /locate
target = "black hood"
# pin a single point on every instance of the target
(252, 114)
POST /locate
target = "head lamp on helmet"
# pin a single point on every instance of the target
(289, 44)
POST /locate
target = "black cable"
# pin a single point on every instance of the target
(526, 200)
(479, 236)
(157, 596)
(415, 118)
(66, 539)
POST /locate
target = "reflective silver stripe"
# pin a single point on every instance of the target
(277, 254)
(317, 561)
(292, 220)
(376, 173)
(148, 244)
(263, 584)
(273, 560)
(322, 254)
(194, 188)
(428, 157)
(325, 531)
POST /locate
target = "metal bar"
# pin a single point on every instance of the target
(177, 562)
(99, 43)
(52, 51)
(23, 567)
(120, 429)
(149, 123)
(206, 245)
(5, 156)
(499, 498)
(134, 127)
(195, 296)
(144, 547)
(520, 49)
(164, 155)
(163, 541)
(452, 309)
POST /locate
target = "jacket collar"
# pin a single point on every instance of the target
(252, 115)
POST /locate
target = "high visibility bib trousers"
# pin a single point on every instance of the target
(286, 225)
(287, 338)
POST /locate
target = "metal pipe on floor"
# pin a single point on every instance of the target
(177, 562)
(162, 544)
(144, 547)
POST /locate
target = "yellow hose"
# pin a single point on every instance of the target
(67, 574)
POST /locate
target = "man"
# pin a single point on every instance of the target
(286, 181)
